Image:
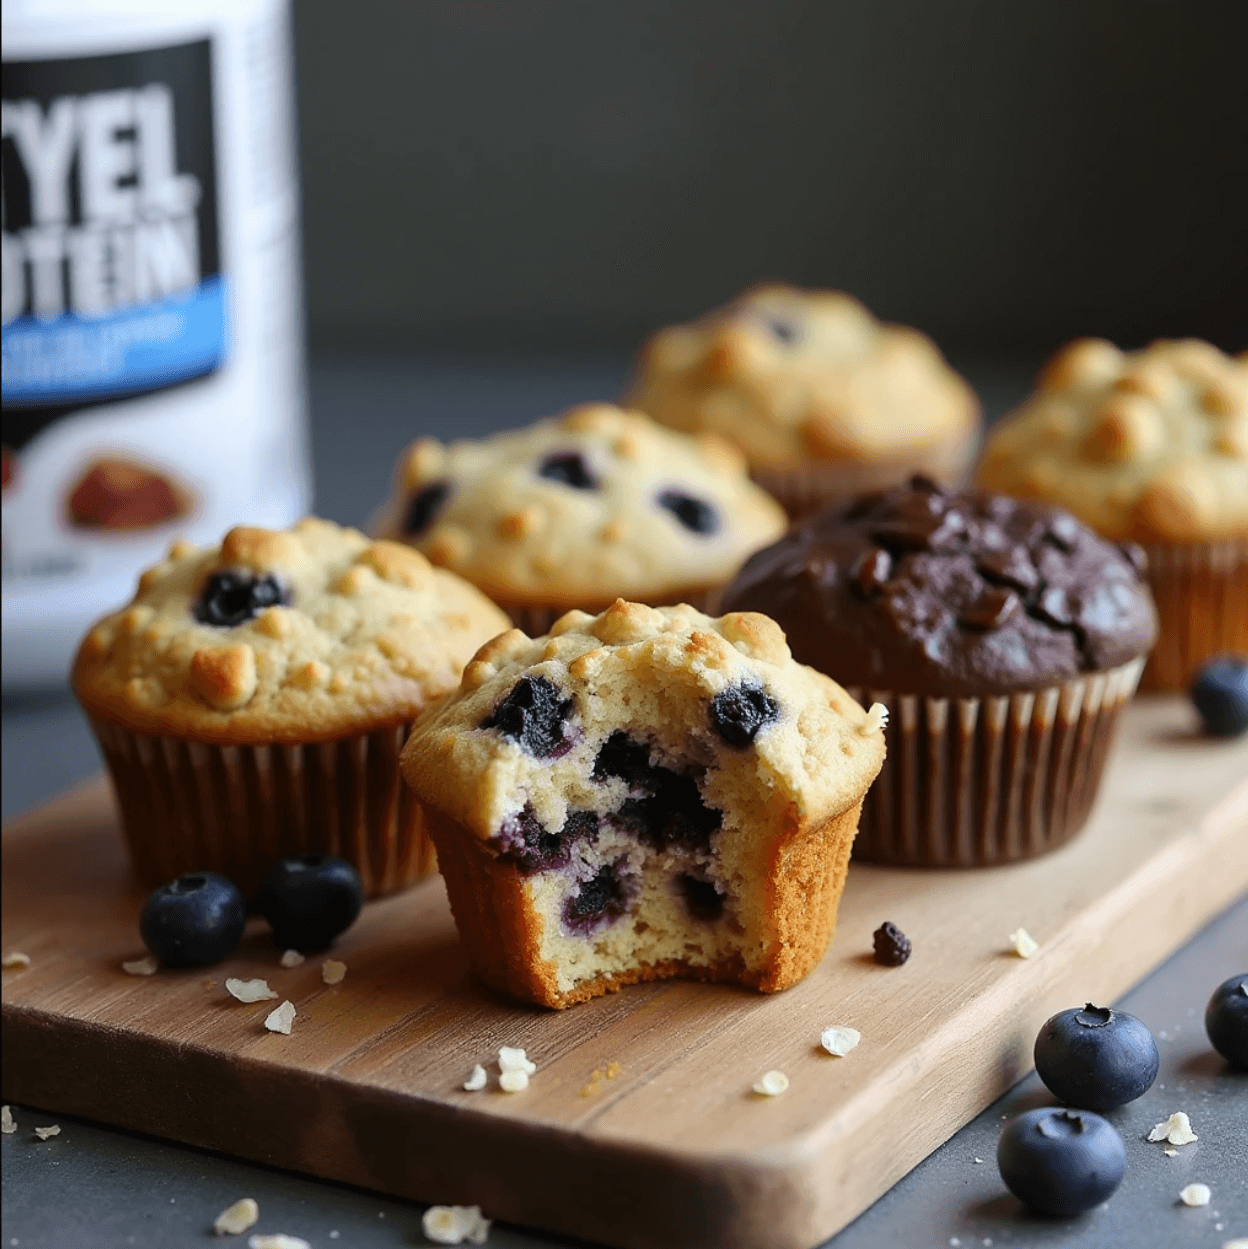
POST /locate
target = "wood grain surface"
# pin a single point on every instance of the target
(673, 1150)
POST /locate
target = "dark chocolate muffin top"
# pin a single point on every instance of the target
(961, 594)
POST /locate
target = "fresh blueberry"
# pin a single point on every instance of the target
(1220, 693)
(533, 848)
(601, 899)
(568, 467)
(309, 900)
(890, 946)
(696, 515)
(193, 921)
(701, 897)
(232, 598)
(1096, 1058)
(738, 713)
(1061, 1162)
(1226, 1021)
(425, 505)
(533, 714)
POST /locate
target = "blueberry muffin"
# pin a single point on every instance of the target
(252, 700)
(824, 401)
(1150, 446)
(643, 794)
(1004, 637)
(578, 511)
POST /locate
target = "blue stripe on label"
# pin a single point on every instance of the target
(80, 358)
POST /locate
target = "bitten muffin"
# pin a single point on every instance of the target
(643, 794)
(578, 511)
(252, 700)
(824, 401)
(1152, 446)
(1003, 637)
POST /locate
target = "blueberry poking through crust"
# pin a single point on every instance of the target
(1061, 1162)
(892, 946)
(426, 503)
(193, 921)
(738, 713)
(233, 598)
(600, 900)
(701, 897)
(568, 467)
(696, 515)
(534, 715)
(1096, 1058)
(1226, 1021)
(1220, 693)
(309, 900)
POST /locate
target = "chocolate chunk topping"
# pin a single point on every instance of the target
(426, 503)
(232, 598)
(701, 897)
(568, 467)
(663, 808)
(600, 900)
(980, 594)
(737, 714)
(696, 515)
(528, 844)
(892, 946)
(534, 715)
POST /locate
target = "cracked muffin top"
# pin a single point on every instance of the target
(716, 708)
(790, 376)
(965, 594)
(298, 635)
(576, 511)
(1150, 445)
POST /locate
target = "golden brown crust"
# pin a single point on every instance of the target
(1149, 445)
(371, 634)
(793, 376)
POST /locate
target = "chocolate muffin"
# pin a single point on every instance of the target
(1005, 638)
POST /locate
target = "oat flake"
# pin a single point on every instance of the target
(839, 1041)
(452, 1225)
(44, 1133)
(249, 990)
(1177, 1130)
(281, 1018)
(476, 1080)
(1023, 943)
(292, 958)
(237, 1218)
(513, 1059)
(146, 966)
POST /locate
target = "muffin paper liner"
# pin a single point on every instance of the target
(803, 489)
(536, 619)
(971, 782)
(191, 806)
(1201, 592)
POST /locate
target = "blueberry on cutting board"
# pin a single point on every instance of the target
(1226, 1021)
(309, 900)
(1096, 1058)
(193, 921)
(1061, 1162)
(1220, 693)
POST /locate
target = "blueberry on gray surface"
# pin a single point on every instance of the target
(600, 900)
(233, 598)
(1096, 1058)
(694, 514)
(738, 713)
(1226, 1021)
(569, 468)
(532, 847)
(664, 808)
(891, 946)
(193, 921)
(426, 503)
(310, 899)
(1061, 1162)
(1220, 693)
(535, 715)
(702, 898)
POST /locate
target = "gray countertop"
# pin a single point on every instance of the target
(96, 1186)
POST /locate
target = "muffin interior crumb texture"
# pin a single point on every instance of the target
(655, 782)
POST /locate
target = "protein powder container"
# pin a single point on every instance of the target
(153, 375)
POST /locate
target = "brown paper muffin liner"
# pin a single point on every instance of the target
(972, 782)
(803, 489)
(536, 619)
(191, 806)
(1201, 592)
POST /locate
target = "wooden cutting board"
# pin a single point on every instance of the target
(669, 1148)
